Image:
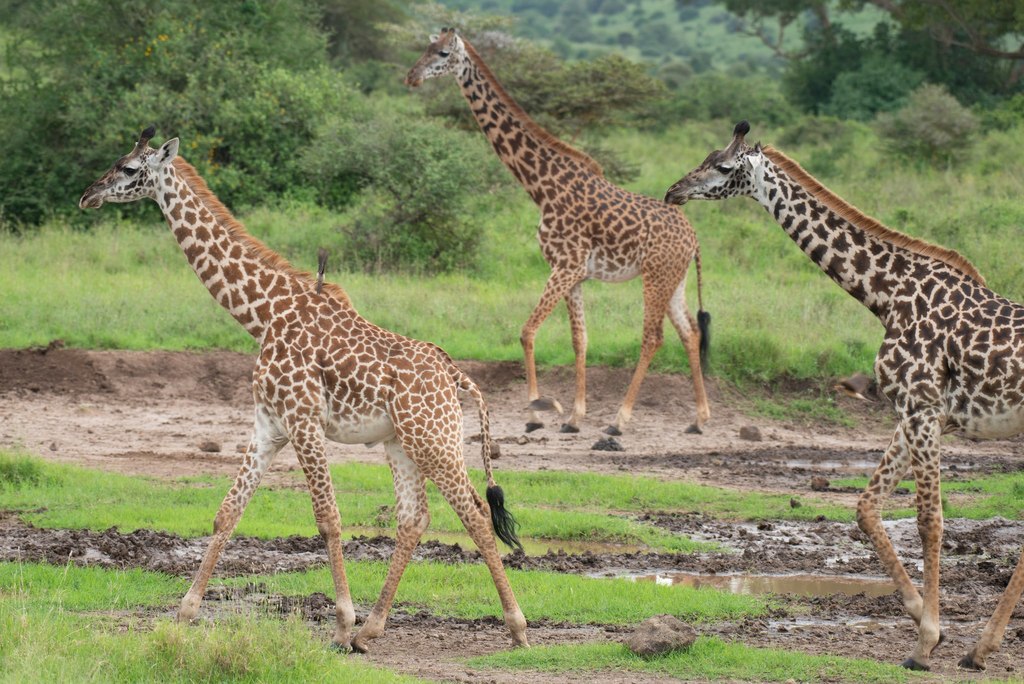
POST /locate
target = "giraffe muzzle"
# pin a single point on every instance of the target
(90, 200)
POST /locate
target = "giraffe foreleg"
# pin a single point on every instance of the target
(923, 432)
(883, 481)
(686, 328)
(413, 518)
(308, 439)
(560, 283)
(266, 441)
(578, 327)
(992, 636)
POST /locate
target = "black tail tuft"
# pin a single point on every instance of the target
(704, 326)
(504, 524)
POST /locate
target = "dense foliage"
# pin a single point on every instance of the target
(285, 101)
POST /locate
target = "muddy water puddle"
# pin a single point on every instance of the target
(797, 584)
(532, 547)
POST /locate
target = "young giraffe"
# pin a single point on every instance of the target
(323, 372)
(589, 228)
(952, 359)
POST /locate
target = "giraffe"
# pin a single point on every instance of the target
(951, 361)
(589, 228)
(323, 372)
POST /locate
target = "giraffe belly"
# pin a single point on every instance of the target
(994, 425)
(604, 267)
(359, 429)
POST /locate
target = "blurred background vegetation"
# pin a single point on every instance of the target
(295, 113)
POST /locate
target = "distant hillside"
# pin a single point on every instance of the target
(701, 37)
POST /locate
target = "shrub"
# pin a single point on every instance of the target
(414, 177)
(879, 85)
(933, 126)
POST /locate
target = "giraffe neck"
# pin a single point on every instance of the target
(872, 268)
(533, 155)
(225, 258)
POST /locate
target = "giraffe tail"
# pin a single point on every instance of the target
(703, 318)
(502, 520)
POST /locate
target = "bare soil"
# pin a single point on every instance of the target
(169, 415)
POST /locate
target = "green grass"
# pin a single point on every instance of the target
(548, 505)
(709, 659)
(467, 591)
(979, 498)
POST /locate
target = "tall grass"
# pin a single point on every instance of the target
(774, 313)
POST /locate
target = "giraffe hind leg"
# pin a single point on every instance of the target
(692, 338)
(474, 513)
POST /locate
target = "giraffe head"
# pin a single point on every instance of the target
(441, 57)
(133, 176)
(732, 172)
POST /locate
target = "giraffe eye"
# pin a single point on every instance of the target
(721, 168)
(131, 170)
(442, 53)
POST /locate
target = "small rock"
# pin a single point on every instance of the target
(660, 634)
(522, 439)
(819, 483)
(607, 444)
(495, 450)
(209, 447)
(53, 446)
(750, 433)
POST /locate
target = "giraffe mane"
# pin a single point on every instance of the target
(528, 123)
(254, 246)
(872, 226)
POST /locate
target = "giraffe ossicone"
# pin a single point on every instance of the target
(951, 361)
(323, 373)
(589, 229)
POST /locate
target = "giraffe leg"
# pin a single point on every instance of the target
(413, 518)
(656, 299)
(308, 439)
(883, 481)
(686, 327)
(560, 283)
(992, 635)
(578, 326)
(923, 435)
(266, 441)
(475, 514)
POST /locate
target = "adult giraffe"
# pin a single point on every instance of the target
(324, 372)
(589, 228)
(952, 359)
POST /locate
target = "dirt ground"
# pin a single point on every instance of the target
(160, 414)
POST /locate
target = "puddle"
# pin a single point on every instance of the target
(852, 466)
(532, 547)
(800, 585)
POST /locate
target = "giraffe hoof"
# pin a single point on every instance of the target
(613, 431)
(912, 664)
(359, 647)
(530, 427)
(694, 429)
(969, 663)
(569, 428)
(341, 648)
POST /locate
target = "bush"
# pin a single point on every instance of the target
(713, 95)
(243, 84)
(414, 177)
(879, 85)
(932, 127)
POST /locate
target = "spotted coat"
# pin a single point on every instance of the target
(323, 373)
(589, 228)
(952, 359)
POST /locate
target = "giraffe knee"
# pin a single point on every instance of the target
(867, 512)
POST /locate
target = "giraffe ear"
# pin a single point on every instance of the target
(434, 37)
(167, 152)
